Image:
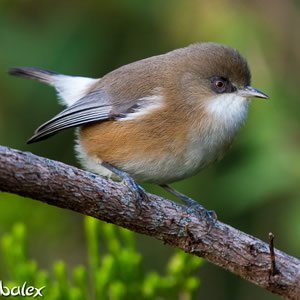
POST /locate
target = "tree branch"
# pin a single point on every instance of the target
(68, 187)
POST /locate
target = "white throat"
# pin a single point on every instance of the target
(228, 109)
(225, 114)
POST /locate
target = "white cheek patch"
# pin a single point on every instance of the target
(230, 109)
(71, 88)
(146, 105)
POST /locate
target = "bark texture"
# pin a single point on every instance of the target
(67, 187)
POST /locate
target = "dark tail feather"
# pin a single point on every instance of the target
(33, 73)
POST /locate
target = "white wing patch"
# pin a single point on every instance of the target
(146, 105)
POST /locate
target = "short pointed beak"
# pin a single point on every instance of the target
(248, 91)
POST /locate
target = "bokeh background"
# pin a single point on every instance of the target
(254, 188)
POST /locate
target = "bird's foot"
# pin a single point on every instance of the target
(139, 193)
(209, 216)
(194, 207)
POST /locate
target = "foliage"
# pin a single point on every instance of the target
(114, 274)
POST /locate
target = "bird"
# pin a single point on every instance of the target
(158, 120)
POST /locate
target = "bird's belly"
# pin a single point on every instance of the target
(163, 168)
(150, 156)
(169, 168)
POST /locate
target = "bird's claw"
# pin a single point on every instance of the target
(139, 193)
(209, 215)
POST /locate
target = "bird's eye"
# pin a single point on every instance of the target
(219, 84)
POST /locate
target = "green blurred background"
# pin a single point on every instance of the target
(254, 188)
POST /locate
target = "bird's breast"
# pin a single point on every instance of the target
(211, 135)
(159, 150)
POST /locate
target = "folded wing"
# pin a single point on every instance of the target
(94, 107)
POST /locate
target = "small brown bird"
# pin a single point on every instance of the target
(158, 120)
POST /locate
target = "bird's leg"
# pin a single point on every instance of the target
(139, 192)
(210, 215)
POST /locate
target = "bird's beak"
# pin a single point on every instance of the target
(248, 91)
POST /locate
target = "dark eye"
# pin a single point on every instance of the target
(220, 85)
